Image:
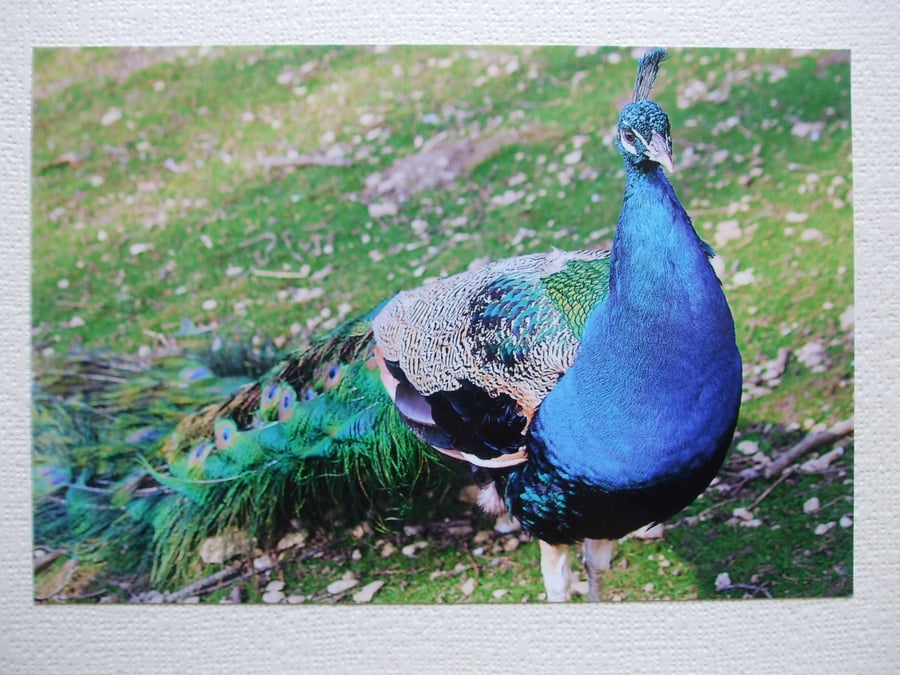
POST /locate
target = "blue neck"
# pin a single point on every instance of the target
(644, 397)
(659, 267)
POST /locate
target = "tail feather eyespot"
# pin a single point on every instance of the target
(333, 373)
(270, 395)
(225, 433)
(199, 452)
(195, 373)
(286, 403)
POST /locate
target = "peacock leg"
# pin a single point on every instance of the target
(556, 571)
(597, 558)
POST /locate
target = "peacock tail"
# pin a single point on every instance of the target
(315, 436)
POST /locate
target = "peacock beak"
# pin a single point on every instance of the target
(659, 151)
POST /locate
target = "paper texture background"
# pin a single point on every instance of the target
(861, 634)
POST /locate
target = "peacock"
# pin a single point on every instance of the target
(591, 392)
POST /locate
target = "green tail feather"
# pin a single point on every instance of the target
(315, 432)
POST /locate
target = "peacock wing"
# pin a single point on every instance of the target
(468, 359)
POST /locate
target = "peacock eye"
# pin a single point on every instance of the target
(225, 433)
(286, 404)
(270, 397)
(628, 136)
(332, 376)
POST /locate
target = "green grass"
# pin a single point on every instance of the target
(162, 226)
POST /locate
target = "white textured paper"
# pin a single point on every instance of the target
(861, 634)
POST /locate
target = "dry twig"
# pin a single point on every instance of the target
(231, 575)
(808, 444)
(304, 160)
(768, 490)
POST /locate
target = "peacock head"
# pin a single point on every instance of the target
(643, 136)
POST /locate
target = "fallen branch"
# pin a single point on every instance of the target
(304, 160)
(808, 444)
(278, 274)
(231, 575)
(41, 563)
(768, 490)
(202, 584)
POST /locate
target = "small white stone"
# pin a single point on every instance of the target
(272, 597)
(341, 585)
(367, 119)
(824, 527)
(726, 231)
(275, 585)
(748, 447)
(111, 116)
(380, 209)
(410, 550)
(811, 505)
(742, 513)
(811, 234)
(723, 581)
(468, 586)
(762, 459)
(367, 592)
(263, 562)
(137, 249)
(573, 157)
(508, 197)
(814, 356)
(846, 521)
(743, 278)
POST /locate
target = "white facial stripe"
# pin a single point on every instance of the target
(625, 144)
